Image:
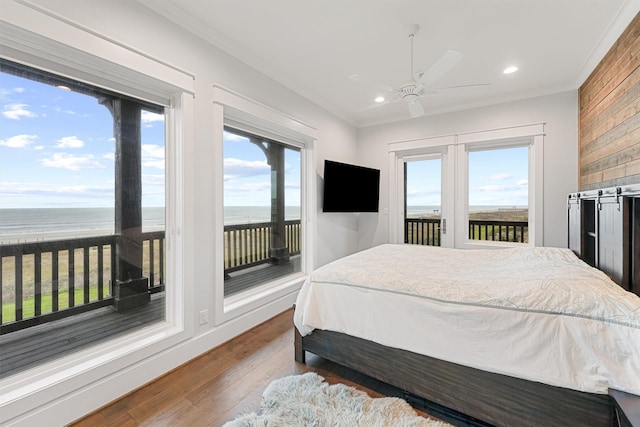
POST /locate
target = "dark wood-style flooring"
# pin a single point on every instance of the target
(225, 382)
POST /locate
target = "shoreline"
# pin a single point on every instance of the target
(9, 239)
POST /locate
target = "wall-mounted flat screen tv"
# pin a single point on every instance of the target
(350, 188)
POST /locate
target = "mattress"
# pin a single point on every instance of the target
(540, 314)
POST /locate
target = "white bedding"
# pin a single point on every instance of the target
(535, 313)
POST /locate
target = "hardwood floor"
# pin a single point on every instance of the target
(225, 382)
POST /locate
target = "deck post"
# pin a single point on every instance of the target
(274, 151)
(131, 288)
(278, 247)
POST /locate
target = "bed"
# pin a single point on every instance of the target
(514, 336)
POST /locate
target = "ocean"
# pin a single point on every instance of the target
(22, 225)
(418, 210)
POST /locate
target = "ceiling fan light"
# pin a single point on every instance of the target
(510, 70)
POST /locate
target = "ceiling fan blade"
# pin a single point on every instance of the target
(439, 68)
(463, 90)
(415, 109)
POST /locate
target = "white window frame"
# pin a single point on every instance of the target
(243, 113)
(456, 147)
(43, 41)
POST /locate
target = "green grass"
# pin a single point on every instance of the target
(28, 308)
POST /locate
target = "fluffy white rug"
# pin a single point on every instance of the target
(307, 400)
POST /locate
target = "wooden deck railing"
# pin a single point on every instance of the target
(422, 231)
(501, 231)
(49, 280)
(44, 281)
(426, 231)
(247, 245)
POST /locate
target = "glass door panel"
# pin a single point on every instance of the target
(498, 195)
(423, 201)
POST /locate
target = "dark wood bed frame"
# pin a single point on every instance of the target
(491, 398)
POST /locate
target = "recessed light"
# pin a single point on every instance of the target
(510, 70)
(379, 99)
(63, 87)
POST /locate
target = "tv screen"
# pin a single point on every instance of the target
(350, 188)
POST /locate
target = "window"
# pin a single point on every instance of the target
(263, 160)
(262, 227)
(82, 200)
(498, 194)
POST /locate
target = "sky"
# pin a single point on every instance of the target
(57, 149)
(496, 178)
(247, 175)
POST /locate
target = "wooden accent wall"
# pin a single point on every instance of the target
(609, 116)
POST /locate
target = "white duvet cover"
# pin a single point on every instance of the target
(540, 314)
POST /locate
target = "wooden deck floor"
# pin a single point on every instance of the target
(34, 346)
(247, 278)
(226, 382)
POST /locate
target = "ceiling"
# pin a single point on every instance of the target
(341, 54)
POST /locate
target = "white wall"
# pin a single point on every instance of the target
(559, 112)
(129, 24)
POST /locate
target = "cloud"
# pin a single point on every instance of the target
(522, 182)
(491, 188)
(152, 156)
(149, 117)
(61, 110)
(46, 189)
(71, 162)
(17, 111)
(236, 168)
(18, 141)
(228, 136)
(421, 193)
(153, 179)
(157, 164)
(69, 142)
(504, 188)
(152, 151)
(248, 187)
(500, 176)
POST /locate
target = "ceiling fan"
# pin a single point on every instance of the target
(419, 84)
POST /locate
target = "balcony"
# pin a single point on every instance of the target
(58, 296)
(426, 231)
